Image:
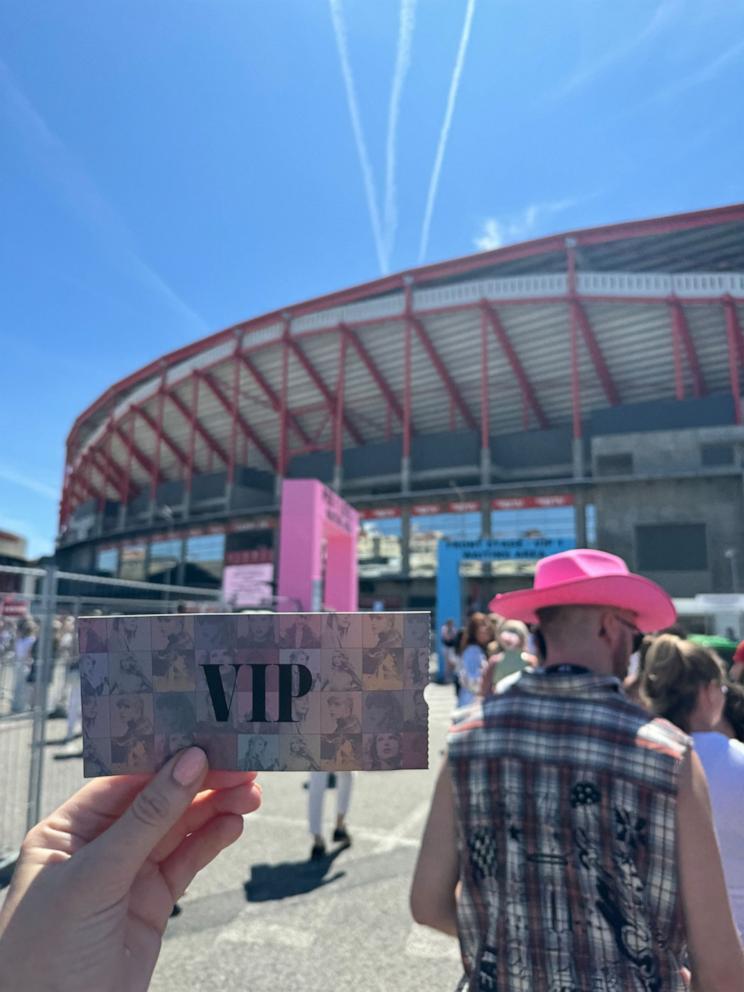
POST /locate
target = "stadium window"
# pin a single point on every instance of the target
(165, 557)
(379, 548)
(591, 525)
(428, 529)
(672, 547)
(107, 561)
(534, 522)
(204, 559)
(619, 464)
(132, 562)
(714, 455)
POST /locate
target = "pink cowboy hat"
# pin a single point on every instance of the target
(588, 578)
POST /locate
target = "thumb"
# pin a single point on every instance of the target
(127, 844)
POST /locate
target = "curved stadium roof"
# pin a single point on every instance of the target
(649, 309)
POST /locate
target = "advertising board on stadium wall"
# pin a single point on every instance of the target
(470, 506)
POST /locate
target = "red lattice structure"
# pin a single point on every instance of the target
(526, 337)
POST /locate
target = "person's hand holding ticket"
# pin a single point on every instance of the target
(97, 879)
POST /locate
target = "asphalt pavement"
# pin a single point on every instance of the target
(265, 919)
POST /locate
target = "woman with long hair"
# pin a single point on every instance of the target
(472, 656)
(385, 752)
(510, 658)
(686, 683)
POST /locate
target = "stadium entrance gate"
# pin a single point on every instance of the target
(451, 553)
(317, 549)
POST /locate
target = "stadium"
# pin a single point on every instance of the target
(584, 386)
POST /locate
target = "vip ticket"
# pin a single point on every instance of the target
(258, 692)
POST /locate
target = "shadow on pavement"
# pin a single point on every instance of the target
(290, 878)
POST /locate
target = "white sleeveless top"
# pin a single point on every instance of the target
(723, 761)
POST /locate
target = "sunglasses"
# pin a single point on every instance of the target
(637, 634)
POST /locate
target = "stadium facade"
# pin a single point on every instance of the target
(585, 386)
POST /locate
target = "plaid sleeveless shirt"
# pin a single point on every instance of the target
(565, 796)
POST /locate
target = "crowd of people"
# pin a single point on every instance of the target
(587, 827)
(19, 668)
(585, 832)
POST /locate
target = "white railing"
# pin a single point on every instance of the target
(270, 332)
(691, 284)
(184, 369)
(687, 285)
(379, 309)
(629, 285)
(516, 287)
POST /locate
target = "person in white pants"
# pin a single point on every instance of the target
(316, 795)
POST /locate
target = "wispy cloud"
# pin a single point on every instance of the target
(663, 15)
(339, 29)
(402, 62)
(16, 478)
(702, 75)
(518, 227)
(62, 171)
(444, 133)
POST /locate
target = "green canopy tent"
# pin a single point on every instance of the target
(721, 645)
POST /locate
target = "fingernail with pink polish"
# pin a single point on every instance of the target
(190, 766)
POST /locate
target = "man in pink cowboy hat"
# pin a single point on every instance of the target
(570, 844)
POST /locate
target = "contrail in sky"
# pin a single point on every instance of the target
(444, 134)
(402, 64)
(337, 16)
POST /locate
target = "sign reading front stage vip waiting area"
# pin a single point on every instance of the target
(263, 692)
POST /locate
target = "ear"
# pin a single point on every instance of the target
(607, 624)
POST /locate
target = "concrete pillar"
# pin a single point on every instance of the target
(486, 529)
(580, 518)
(485, 467)
(405, 541)
(405, 474)
(578, 458)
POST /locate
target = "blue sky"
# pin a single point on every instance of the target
(169, 167)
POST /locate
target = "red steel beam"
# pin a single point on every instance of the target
(284, 406)
(683, 331)
(322, 388)
(108, 470)
(273, 398)
(244, 426)
(380, 382)
(407, 398)
(574, 339)
(449, 383)
(146, 463)
(234, 412)
(679, 378)
(167, 440)
(485, 444)
(595, 353)
(340, 384)
(733, 334)
(529, 396)
(212, 443)
(192, 418)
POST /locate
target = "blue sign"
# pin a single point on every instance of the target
(451, 553)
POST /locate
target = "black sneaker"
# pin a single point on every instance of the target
(341, 836)
(318, 852)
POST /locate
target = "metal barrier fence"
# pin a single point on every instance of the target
(40, 719)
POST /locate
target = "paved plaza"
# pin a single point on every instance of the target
(262, 917)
